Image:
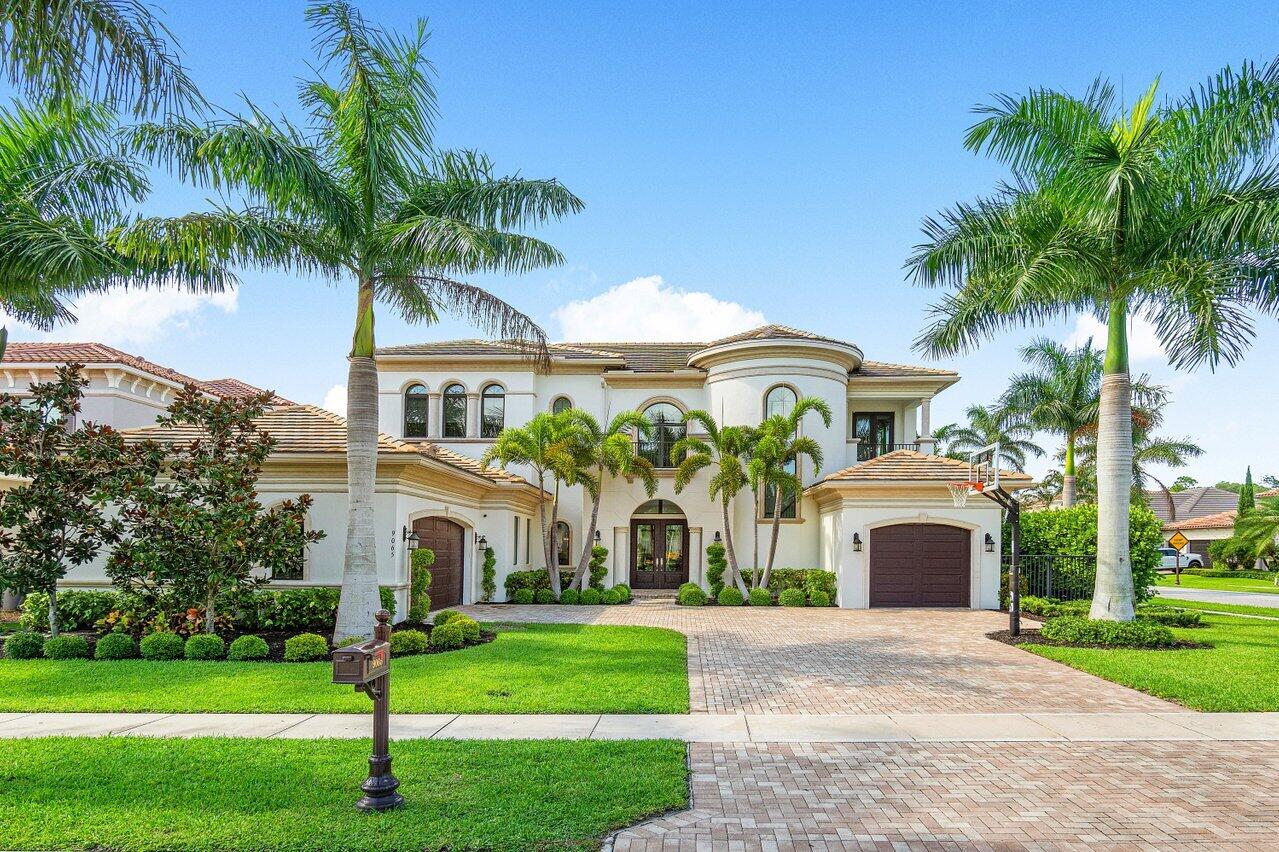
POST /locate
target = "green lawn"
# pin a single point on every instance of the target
(1213, 606)
(535, 668)
(225, 794)
(1223, 584)
(1240, 672)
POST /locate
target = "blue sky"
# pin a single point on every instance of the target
(778, 157)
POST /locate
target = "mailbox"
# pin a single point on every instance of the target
(362, 663)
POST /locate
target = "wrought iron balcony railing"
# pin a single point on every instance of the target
(869, 450)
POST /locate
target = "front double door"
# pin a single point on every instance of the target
(659, 554)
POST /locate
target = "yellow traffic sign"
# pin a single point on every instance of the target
(1178, 540)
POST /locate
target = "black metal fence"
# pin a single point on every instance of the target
(870, 450)
(1048, 575)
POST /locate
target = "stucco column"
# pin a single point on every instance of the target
(619, 559)
(696, 568)
(434, 427)
(926, 418)
(472, 415)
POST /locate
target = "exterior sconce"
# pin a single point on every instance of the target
(717, 538)
(857, 543)
(482, 543)
(597, 537)
(990, 544)
(410, 537)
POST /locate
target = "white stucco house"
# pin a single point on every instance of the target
(877, 512)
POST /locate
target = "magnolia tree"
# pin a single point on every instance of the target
(191, 521)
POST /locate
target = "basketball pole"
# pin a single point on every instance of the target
(1014, 572)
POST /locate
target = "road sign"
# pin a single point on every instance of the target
(1178, 540)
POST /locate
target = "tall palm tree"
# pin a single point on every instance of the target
(1148, 451)
(1166, 211)
(361, 196)
(607, 452)
(991, 425)
(1062, 396)
(721, 450)
(782, 448)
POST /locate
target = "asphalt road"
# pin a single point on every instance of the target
(1215, 596)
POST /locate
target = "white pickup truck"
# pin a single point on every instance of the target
(1188, 560)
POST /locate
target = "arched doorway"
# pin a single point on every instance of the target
(445, 539)
(659, 546)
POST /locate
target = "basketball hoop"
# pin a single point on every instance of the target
(960, 491)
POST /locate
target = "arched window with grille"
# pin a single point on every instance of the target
(668, 427)
(492, 410)
(415, 412)
(561, 404)
(563, 544)
(780, 400)
(454, 402)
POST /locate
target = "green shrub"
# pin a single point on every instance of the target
(1242, 573)
(162, 646)
(1107, 634)
(246, 648)
(405, 642)
(78, 609)
(625, 590)
(204, 646)
(23, 646)
(67, 648)
(489, 583)
(1073, 531)
(523, 596)
(808, 580)
(534, 580)
(590, 597)
(691, 594)
(286, 609)
(612, 597)
(570, 597)
(729, 596)
(115, 646)
(444, 616)
(305, 647)
(446, 637)
(819, 598)
(792, 597)
(1170, 616)
(716, 565)
(420, 562)
(598, 570)
(387, 596)
(544, 596)
(760, 597)
(470, 628)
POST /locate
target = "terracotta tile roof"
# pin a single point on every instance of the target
(650, 357)
(1273, 492)
(877, 369)
(235, 389)
(1192, 503)
(1204, 522)
(912, 466)
(773, 332)
(499, 348)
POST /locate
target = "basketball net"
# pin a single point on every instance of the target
(960, 491)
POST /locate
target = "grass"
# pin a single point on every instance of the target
(1221, 584)
(1239, 673)
(535, 668)
(223, 794)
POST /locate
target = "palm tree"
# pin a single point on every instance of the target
(609, 452)
(1045, 493)
(1062, 396)
(1167, 211)
(722, 450)
(361, 196)
(991, 425)
(1259, 528)
(1148, 450)
(781, 448)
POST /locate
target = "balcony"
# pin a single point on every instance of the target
(874, 449)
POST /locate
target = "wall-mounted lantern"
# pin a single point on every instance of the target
(410, 537)
(990, 543)
(597, 536)
(717, 538)
(857, 543)
(482, 543)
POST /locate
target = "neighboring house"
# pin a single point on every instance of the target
(1204, 530)
(1192, 503)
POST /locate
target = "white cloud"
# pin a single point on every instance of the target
(1143, 342)
(649, 309)
(335, 400)
(133, 318)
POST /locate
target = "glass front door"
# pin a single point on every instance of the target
(659, 554)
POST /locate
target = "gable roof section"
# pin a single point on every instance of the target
(1220, 520)
(235, 389)
(913, 466)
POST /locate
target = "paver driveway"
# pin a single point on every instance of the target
(793, 660)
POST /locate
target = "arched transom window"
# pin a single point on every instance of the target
(668, 427)
(454, 411)
(415, 412)
(492, 410)
(779, 400)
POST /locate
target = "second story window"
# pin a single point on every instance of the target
(492, 410)
(415, 408)
(875, 429)
(780, 400)
(668, 427)
(454, 411)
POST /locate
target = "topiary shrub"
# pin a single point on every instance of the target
(405, 642)
(446, 637)
(162, 646)
(544, 596)
(115, 646)
(489, 584)
(470, 628)
(420, 562)
(523, 596)
(819, 598)
(625, 590)
(305, 647)
(590, 597)
(387, 596)
(729, 596)
(247, 648)
(760, 597)
(792, 597)
(598, 569)
(570, 597)
(716, 564)
(444, 616)
(612, 597)
(67, 648)
(204, 646)
(23, 646)
(1107, 634)
(691, 594)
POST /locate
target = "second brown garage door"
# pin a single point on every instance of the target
(444, 538)
(919, 565)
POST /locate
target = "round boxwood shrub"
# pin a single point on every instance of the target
(625, 590)
(305, 647)
(691, 594)
(730, 596)
(115, 646)
(611, 597)
(470, 628)
(405, 642)
(162, 646)
(792, 597)
(444, 616)
(67, 648)
(204, 646)
(819, 598)
(1124, 634)
(446, 637)
(23, 646)
(590, 597)
(570, 597)
(760, 597)
(544, 596)
(523, 596)
(245, 648)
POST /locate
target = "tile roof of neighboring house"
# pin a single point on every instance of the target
(1272, 492)
(1219, 520)
(1192, 503)
(235, 389)
(503, 348)
(909, 465)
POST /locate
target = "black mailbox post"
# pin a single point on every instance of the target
(368, 667)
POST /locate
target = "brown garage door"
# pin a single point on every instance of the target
(444, 538)
(919, 565)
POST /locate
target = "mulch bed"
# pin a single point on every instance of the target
(1030, 636)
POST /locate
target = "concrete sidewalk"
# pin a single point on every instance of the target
(698, 727)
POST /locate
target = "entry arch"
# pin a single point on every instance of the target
(659, 545)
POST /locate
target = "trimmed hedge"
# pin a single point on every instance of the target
(534, 580)
(612, 597)
(590, 597)
(1171, 617)
(204, 646)
(305, 647)
(1241, 573)
(625, 591)
(716, 565)
(1107, 634)
(760, 597)
(792, 597)
(819, 598)
(691, 594)
(544, 596)
(246, 648)
(808, 580)
(444, 616)
(67, 648)
(470, 628)
(23, 646)
(447, 637)
(115, 646)
(162, 646)
(570, 597)
(729, 596)
(405, 642)
(522, 596)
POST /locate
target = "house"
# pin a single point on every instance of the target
(877, 510)
(1202, 526)
(1197, 502)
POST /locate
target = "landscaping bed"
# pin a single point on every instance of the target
(1032, 636)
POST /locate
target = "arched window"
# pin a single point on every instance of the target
(561, 404)
(563, 544)
(668, 427)
(415, 408)
(779, 400)
(455, 411)
(492, 410)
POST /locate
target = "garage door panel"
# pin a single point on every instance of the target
(920, 565)
(445, 540)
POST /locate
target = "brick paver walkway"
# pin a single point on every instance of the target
(829, 661)
(1131, 795)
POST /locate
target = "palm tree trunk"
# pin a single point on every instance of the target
(360, 601)
(552, 560)
(735, 574)
(755, 536)
(53, 612)
(1113, 594)
(772, 542)
(210, 618)
(579, 579)
(1068, 476)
